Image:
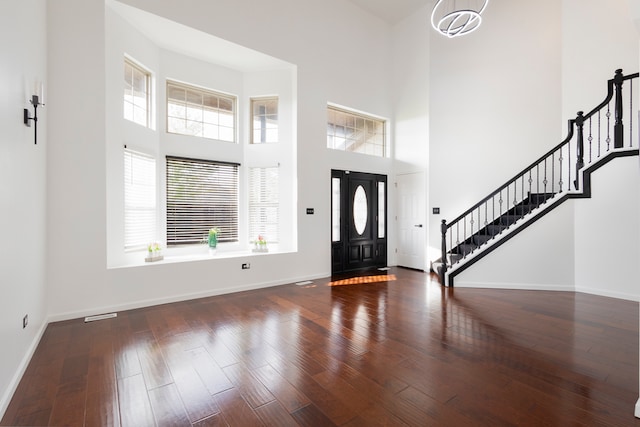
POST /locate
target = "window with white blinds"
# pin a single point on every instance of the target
(139, 199)
(264, 206)
(201, 194)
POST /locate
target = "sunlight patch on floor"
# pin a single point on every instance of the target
(364, 279)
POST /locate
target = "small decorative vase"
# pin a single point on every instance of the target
(213, 243)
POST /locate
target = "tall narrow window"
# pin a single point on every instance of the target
(139, 199)
(201, 194)
(264, 119)
(335, 209)
(200, 112)
(136, 93)
(350, 131)
(264, 206)
(382, 219)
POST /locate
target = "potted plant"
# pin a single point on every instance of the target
(154, 252)
(260, 245)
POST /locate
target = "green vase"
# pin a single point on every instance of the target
(213, 240)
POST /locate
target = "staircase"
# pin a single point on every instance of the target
(563, 173)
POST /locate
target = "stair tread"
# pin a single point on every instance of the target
(480, 239)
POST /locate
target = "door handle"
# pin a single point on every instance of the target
(418, 225)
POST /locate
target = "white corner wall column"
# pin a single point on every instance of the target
(634, 14)
(23, 175)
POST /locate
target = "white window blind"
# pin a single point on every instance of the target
(201, 194)
(264, 206)
(139, 199)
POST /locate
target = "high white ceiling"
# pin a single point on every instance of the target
(176, 37)
(392, 11)
(179, 38)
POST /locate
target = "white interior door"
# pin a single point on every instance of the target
(411, 220)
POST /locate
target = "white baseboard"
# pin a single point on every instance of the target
(607, 293)
(515, 286)
(22, 367)
(638, 408)
(177, 298)
(538, 287)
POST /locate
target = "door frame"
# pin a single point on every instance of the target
(342, 250)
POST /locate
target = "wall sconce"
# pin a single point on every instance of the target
(35, 101)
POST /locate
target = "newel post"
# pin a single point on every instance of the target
(579, 146)
(618, 128)
(443, 269)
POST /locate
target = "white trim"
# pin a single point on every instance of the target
(22, 367)
(516, 286)
(637, 413)
(548, 287)
(610, 294)
(178, 298)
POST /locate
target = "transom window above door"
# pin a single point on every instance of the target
(356, 132)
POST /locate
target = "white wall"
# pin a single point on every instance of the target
(410, 50)
(529, 260)
(494, 103)
(23, 61)
(606, 230)
(76, 178)
(328, 71)
(592, 49)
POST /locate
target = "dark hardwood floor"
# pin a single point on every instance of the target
(379, 352)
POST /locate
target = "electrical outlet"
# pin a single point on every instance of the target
(25, 321)
(246, 266)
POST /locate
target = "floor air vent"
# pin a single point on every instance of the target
(306, 282)
(100, 317)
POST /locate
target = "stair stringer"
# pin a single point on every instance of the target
(536, 214)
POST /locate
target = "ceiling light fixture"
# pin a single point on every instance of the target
(451, 20)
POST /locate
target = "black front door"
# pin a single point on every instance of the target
(359, 210)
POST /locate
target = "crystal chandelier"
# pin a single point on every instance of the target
(454, 18)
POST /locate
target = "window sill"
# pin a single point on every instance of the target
(191, 254)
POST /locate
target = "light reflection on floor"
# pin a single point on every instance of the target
(364, 279)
